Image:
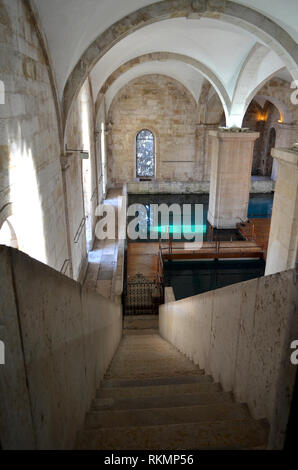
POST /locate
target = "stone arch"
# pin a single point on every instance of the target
(7, 223)
(256, 23)
(145, 121)
(285, 112)
(5, 213)
(162, 56)
(34, 16)
(242, 88)
(189, 94)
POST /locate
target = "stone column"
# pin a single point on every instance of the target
(283, 239)
(231, 156)
(286, 136)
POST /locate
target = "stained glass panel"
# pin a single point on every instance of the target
(145, 154)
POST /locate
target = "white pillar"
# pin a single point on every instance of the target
(283, 239)
(231, 163)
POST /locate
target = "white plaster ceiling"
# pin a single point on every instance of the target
(285, 75)
(206, 40)
(185, 74)
(269, 66)
(70, 27)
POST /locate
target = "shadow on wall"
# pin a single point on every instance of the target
(29, 143)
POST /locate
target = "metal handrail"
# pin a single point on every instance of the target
(160, 274)
(65, 266)
(210, 232)
(93, 194)
(79, 231)
(216, 244)
(252, 236)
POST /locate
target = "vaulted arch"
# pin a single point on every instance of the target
(250, 20)
(244, 83)
(285, 112)
(205, 71)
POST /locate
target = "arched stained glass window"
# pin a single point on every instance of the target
(145, 161)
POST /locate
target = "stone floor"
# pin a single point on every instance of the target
(153, 397)
(103, 258)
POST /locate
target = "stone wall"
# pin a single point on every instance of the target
(282, 250)
(181, 127)
(59, 340)
(272, 109)
(258, 185)
(165, 107)
(81, 179)
(30, 171)
(241, 335)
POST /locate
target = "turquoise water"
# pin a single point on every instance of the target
(175, 229)
(260, 206)
(195, 277)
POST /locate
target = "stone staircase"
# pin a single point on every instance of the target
(153, 397)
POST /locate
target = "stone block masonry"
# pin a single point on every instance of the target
(165, 107)
(58, 348)
(241, 335)
(30, 172)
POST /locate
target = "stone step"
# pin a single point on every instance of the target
(143, 332)
(158, 390)
(175, 415)
(183, 379)
(147, 373)
(230, 434)
(139, 364)
(160, 401)
(136, 322)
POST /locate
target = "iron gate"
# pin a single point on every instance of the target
(142, 296)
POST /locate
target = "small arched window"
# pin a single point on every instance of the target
(145, 154)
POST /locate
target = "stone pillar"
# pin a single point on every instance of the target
(283, 239)
(231, 162)
(286, 136)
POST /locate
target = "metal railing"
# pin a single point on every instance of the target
(65, 266)
(142, 296)
(79, 231)
(251, 234)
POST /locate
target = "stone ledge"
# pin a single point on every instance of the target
(265, 185)
(286, 155)
(241, 134)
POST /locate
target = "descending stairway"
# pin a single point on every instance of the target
(153, 397)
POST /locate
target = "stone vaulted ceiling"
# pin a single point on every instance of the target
(230, 55)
